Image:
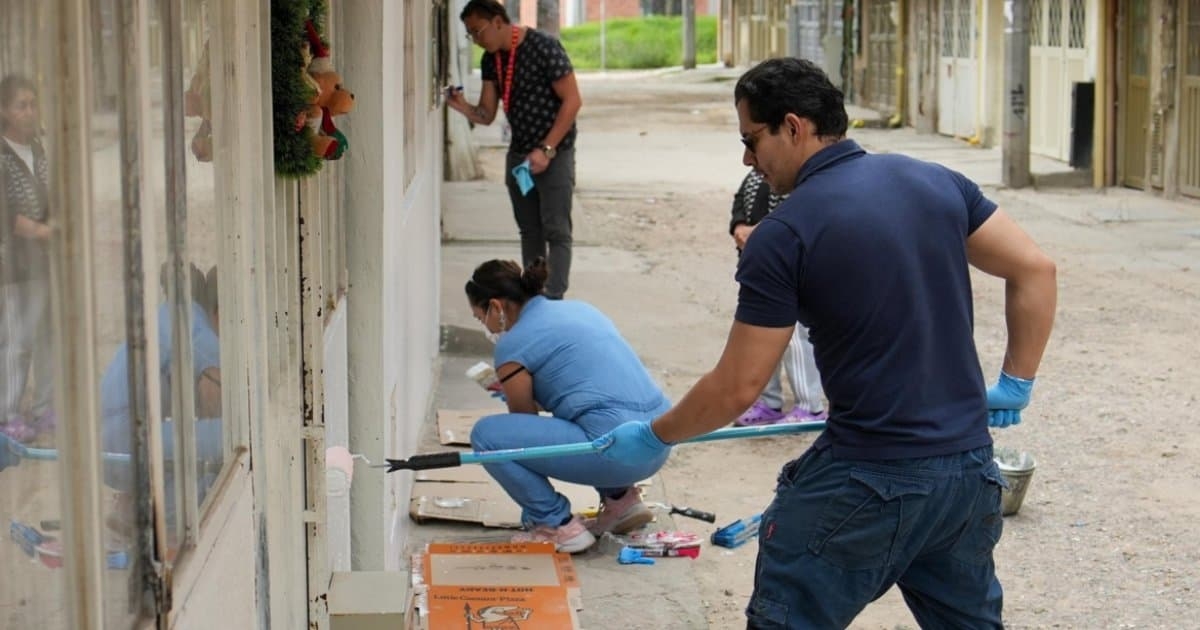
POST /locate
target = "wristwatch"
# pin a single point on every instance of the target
(549, 151)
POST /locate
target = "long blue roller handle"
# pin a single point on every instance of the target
(583, 448)
(51, 454)
(451, 459)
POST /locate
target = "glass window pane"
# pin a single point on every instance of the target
(206, 161)
(1139, 54)
(31, 557)
(108, 265)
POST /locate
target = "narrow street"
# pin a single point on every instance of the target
(1106, 536)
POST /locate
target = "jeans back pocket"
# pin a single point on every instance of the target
(866, 521)
(984, 525)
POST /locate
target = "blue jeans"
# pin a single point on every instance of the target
(840, 533)
(528, 481)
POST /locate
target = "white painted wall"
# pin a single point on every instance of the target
(392, 256)
(337, 433)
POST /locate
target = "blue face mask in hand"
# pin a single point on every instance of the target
(524, 177)
(1006, 399)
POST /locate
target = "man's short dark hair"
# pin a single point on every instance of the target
(486, 9)
(11, 85)
(778, 87)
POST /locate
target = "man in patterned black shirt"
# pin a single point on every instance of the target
(529, 73)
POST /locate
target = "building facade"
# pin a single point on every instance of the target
(211, 328)
(1112, 88)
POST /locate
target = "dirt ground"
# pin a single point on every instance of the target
(1107, 535)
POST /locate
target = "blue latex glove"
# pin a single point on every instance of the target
(629, 555)
(1006, 399)
(524, 177)
(631, 444)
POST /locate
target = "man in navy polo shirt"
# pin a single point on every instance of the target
(872, 253)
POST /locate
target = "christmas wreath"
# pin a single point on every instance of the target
(306, 92)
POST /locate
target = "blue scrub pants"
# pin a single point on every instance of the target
(528, 481)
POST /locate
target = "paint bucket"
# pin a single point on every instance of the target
(1017, 469)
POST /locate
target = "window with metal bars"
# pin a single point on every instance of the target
(1054, 19)
(1077, 17)
(1192, 51)
(964, 28)
(947, 28)
(1035, 23)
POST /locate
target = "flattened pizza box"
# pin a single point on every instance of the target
(499, 585)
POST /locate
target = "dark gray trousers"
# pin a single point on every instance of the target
(544, 216)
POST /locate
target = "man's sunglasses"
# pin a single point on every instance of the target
(751, 139)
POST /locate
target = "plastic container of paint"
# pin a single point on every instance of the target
(483, 374)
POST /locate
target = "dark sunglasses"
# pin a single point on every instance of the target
(750, 140)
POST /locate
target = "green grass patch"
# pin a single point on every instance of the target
(646, 42)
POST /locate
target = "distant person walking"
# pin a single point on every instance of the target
(529, 72)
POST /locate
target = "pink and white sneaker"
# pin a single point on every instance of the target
(800, 415)
(621, 516)
(759, 414)
(573, 537)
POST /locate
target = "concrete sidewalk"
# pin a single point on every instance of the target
(664, 152)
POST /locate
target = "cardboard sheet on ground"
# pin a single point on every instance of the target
(468, 493)
(500, 585)
(454, 425)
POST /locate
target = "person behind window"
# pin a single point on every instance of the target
(24, 265)
(116, 433)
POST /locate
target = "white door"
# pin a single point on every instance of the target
(1058, 38)
(957, 69)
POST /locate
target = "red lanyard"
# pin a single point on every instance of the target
(512, 60)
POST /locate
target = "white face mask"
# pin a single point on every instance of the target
(494, 337)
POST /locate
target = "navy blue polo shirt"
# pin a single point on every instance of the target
(869, 252)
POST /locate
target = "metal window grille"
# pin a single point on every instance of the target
(947, 28)
(1054, 19)
(1077, 24)
(1192, 51)
(964, 28)
(1035, 23)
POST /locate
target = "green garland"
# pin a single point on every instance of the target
(290, 94)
